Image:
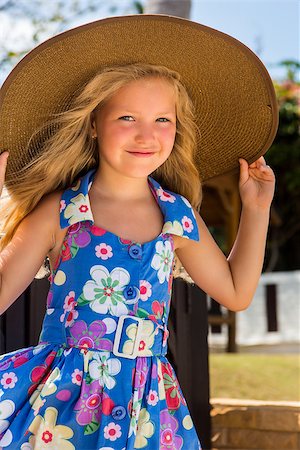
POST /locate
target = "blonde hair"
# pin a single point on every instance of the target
(71, 140)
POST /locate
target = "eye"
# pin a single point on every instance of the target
(163, 119)
(127, 118)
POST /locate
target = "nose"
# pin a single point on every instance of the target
(145, 134)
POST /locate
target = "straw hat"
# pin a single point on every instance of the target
(235, 103)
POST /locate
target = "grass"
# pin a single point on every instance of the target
(255, 376)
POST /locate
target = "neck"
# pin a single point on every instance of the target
(120, 187)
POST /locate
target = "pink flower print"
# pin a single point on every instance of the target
(89, 337)
(103, 251)
(112, 431)
(77, 377)
(125, 241)
(9, 380)
(165, 196)
(89, 404)
(97, 231)
(62, 205)
(158, 311)
(187, 224)
(169, 440)
(152, 398)
(49, 298)
(145, 290)
(71, 316)
(69, 310)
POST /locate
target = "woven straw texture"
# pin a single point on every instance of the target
(236, 108)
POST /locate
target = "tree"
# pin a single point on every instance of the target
(284, 157)
(179, 8)
(27, 23)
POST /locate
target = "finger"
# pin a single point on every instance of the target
(258, 163)
(244, 173)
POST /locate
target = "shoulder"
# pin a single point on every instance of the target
(179, 215)
(45, 216)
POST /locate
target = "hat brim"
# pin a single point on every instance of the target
(234, 98)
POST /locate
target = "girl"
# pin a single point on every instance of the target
(108, 200)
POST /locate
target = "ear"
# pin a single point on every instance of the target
(93, 124)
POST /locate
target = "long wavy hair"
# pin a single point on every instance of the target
(71, 141)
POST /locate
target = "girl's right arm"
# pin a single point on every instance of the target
(24, 255)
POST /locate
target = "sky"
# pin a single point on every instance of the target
(269, 27)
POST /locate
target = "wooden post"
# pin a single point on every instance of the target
(188, 353)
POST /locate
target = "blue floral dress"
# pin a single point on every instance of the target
(99, 378)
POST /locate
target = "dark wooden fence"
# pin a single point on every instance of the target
(188, 351)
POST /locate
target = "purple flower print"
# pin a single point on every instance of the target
(89, 404)
(169, 440)
(89, 337)
(78, 238)
(140, 376)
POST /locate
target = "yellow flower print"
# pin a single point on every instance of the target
(145, 429)
(43, 390)
(146, 340)
(48, 435)
(174, 227)
(78, 209)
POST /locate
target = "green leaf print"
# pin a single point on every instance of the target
(74, 250)
(142, 313)
(82, 300)
(88, 379)
(91, 427)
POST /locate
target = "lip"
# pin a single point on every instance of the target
(142, 154)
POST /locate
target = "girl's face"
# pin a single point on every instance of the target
(136, 128)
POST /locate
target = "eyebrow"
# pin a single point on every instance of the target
(117, 108)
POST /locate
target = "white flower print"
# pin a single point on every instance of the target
(77, 377)
(7, 408)
(174, 227)
(104, 368)
(152, 398)
(9, 380)
(162, 260)
(186, 202)
(105, 291)
(103, 251)
(145, 290)
(187, 224)
(112, 431)
(165, 196)
(78, 209)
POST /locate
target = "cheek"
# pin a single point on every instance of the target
(168, 136)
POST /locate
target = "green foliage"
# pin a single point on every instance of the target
(284, 158)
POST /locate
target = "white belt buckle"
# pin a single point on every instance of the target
(118, 335)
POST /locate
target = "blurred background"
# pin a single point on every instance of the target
(253, 375)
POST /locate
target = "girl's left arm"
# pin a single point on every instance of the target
(233, 281)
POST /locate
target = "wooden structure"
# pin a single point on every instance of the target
(221, 208)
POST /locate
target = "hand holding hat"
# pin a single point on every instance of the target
(257, 182)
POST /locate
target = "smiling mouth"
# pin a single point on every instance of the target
(142, 153)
